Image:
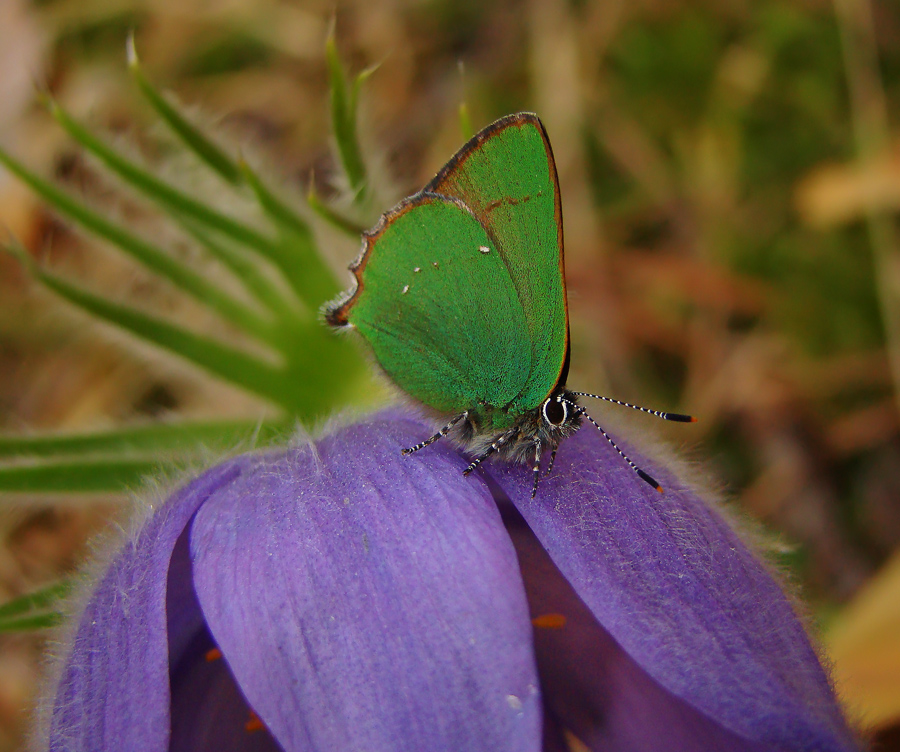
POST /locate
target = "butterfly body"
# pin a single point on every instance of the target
(520, 435)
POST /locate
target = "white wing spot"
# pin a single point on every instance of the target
(484, 249)
(417, 269)
(404, 290)
(435, 264)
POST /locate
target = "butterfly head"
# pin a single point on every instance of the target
(559, 411)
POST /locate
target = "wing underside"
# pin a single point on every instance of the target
(506, 176)
(460, 289)
(438, 306)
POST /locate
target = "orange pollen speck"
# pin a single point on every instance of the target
(549, 621)
(253, 723)
(213, 655)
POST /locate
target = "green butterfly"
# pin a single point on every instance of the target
(460, 292)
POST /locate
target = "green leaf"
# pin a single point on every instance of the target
(230, 364)
(272, 205)
(193, 138)
(199, 287)
(314, 281)
(160, 192)
(36, 600)
(336, 220)
(36, 610)
(154, 437)
(309, 274)
(309, 369)
(465, 122)
(343, 121)
(31, 623)
(248, 270)
(77, 476)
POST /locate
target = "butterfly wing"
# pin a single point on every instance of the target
(436, 302)
(506, 176)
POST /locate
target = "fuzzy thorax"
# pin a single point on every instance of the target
(516, 436)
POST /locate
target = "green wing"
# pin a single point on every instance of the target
(435, 301)
(506, 175)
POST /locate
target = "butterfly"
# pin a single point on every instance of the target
(460, 293)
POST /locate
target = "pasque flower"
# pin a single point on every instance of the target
(338, 596)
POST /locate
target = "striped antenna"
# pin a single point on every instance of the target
(641, 474)
(677, 417)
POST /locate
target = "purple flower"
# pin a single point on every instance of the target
(365, 601)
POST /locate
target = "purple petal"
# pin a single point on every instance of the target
(113, 692)
(366, 601)
(676, 588)
(209, 712)
(590, 685)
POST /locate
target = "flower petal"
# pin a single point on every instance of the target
(367, 601)
(681, 594)
(590, 685)
(209, 713)
(113, 692)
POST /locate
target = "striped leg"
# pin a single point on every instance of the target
(439, 435)
(499, 442)
(536, 468)
(552, 460)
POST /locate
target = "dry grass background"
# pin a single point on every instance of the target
(730, 176)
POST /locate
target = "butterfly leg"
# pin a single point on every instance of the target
(552, 460)
(536, 468)
(498, 442)
(440, 434)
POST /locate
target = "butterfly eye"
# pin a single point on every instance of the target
(555, 411)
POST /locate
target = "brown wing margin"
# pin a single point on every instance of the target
(336, 312)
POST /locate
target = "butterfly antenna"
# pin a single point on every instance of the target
(641, 474)
(677, 417)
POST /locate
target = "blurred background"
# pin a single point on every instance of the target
(730, 174)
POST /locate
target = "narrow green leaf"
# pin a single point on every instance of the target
(343, 122)
(246, 269)
(465, 122)
(34, 610)
(336, 220)
(159, 191)
(193, 138)
(271, 204)
(358, 84)
(154, 259)
(81, 476)
(31, 623)
(313, 281)
(311, 277)
(180, 204)
(226, 362)
(155, 437)
(38, 599)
